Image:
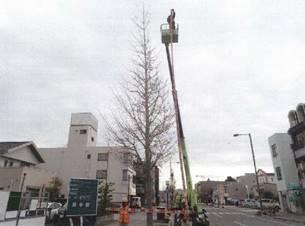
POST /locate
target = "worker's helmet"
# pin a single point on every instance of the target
(124, 199)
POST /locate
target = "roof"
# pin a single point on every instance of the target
(5, 147)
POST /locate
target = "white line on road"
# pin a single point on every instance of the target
(236, 222)
(277, 222)
(217, 215)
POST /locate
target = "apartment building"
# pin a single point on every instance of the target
(297, 134)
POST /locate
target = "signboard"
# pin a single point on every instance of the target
(4, 196)
(294, 186)
(82, 200)
(34, 203)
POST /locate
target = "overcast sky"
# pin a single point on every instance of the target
(239, 67)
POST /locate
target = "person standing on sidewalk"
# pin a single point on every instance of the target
(124, 215)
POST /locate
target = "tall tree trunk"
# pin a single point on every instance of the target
(148, 195)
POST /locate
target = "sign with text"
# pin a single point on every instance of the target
(82, 200)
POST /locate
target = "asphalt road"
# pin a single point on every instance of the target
(228, 216)
(233, 216)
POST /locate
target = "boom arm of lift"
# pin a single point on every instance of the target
(191, 197)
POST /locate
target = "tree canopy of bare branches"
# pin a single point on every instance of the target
(143, 119)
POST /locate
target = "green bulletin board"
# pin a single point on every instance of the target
(82, 200)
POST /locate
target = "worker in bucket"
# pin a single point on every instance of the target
(124, 215)
(171, 19)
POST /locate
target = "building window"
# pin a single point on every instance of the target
(125, 175)
(102, 157)
(101, 174)
(278, 173)
(25, 164)
(11, 164)
(126, 157)
(92, 139)
(83, 131)
(5, 163)
(273, 149)
(88, 156)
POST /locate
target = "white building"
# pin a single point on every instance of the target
(284, 168)
(17, 159)
(83, 159)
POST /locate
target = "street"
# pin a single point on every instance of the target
(234, 216)
(228, 216)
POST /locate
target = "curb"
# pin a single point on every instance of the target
(290, 220)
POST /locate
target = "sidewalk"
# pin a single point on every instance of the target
(297, 218)
(34, 221)
(136, 219)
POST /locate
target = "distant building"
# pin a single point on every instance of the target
(17, 159)
(205, 190)
(249, 181)
(83, 159)
(265, 178)
(219, 194)
(266, 183)
(235, 191)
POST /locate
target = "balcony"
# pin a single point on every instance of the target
(296, 147)
(297, 128)
(300, 152)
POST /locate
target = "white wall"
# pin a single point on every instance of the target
(284, 160)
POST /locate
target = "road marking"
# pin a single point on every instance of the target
(236, 222)
(217, 215)
(277, 222)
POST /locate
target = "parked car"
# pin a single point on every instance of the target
(57, 213)
(249, 203)
(53, 205)
(234, 202)
(269, 203)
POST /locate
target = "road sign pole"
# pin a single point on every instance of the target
(19, 208)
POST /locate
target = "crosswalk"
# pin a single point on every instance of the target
(224, 213)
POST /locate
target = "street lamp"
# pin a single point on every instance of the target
(253, 156)
(167, 191)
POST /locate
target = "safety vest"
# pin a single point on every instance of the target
(124, 216)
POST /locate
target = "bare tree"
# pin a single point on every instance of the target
(143, 120)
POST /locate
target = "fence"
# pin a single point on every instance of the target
(11, 202)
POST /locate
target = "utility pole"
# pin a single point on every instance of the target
(254, 163)
(257, 182)
(19, 208)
